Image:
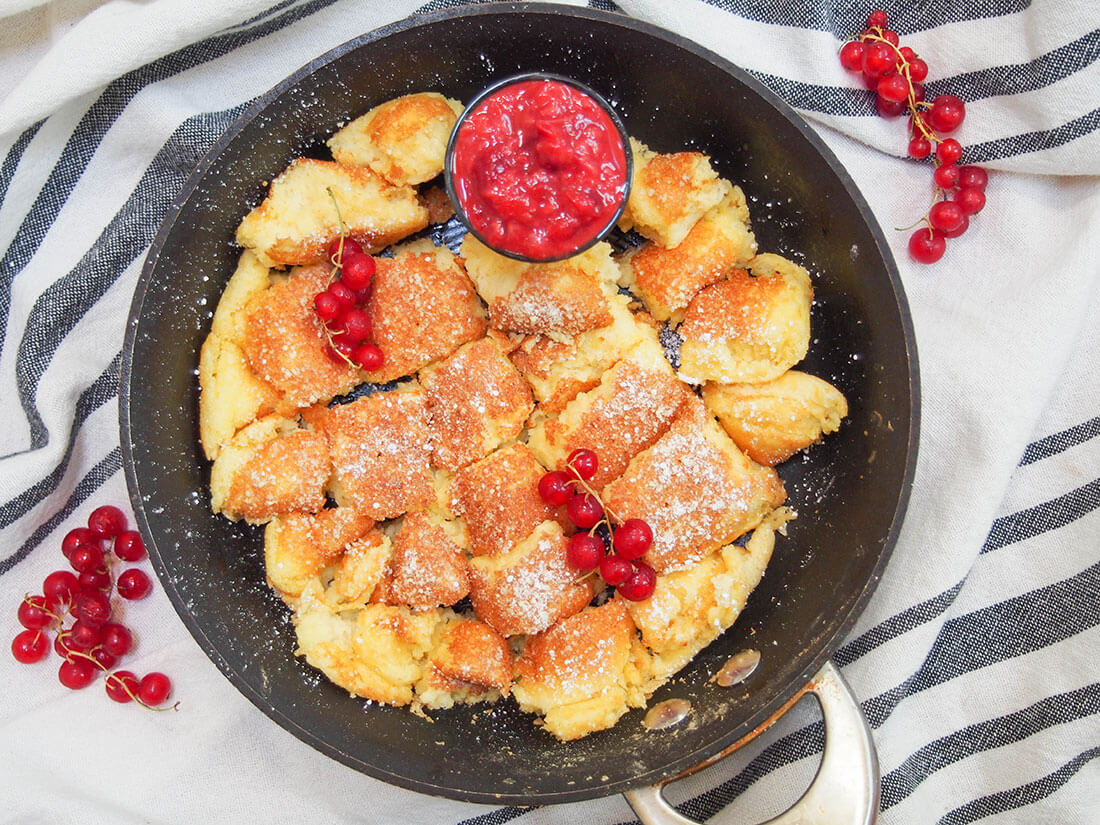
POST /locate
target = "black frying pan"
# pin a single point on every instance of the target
(850, 492)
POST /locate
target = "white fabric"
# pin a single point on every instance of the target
(1006, 330)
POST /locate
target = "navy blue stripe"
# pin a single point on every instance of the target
(1050, 515)
(844, 18)
(86, 138)
(896, 625)
(1054, 444)
(12, 158)
(101, 391)
(92, 481)
(498, 816)
(993, 733)
(1025, 144)
(1015, 798)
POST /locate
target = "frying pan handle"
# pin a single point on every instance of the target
(846, 788)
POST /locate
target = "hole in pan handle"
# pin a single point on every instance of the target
(845, 790)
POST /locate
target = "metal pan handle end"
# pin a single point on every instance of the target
(845, 790)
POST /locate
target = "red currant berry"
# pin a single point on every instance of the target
(949, 151)
(640, 585)
(96, 580)
(918, 70)
(554, 488)
(971, 199)
(890, 36)
(919, 148)
(946, 176)
(893, 88)
(60, 588)
(154, 689)
(134, 584)
(343, 248)
(29, 646)
(632, 538)
(369, 357)
(76, 673)
(93, 607)
(962, 227)
(83, 636)
(887, 109)
(877, 19)
(63, 646)
(341, 350)
(34, 614)
(927, 246)
(116, 639)
(918, 91)
(129, 546)
(973, 176)
(106, 522)
(584, 510)
(357, 271)
(878, 59)
(851, 56)
(907, 53)
(947, 113)
(344, 296)
(87, 558)
(76, 537)
(326, 305)
(945, 216)
(362, 296)
(584, 551)
(121, 686)
(582, 463)
(105, 659)
(356, 325)
(615, 569)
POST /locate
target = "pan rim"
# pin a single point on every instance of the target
(682, 761)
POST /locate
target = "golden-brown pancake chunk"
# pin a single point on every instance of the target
(285, 344)
(580, 675)
(562, 299)
(423, 308)
(530, 587)
(690, 608)
(695, 489)
(476, 402)
(360, 569)
(669, 193)
(558, 370)
(667, 278)
(380, 446)
(403, 140)
(428, 568)
(629, 410)
(499, 500)
(270, 468)
(231, 395)
(773, 420)
(298, 219)
(469, 662)
(377, 653)
(748, 328)
(298, 546)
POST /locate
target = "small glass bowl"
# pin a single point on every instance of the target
(448, 165)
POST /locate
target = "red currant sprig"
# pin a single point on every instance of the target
(897, 74)
(341, 306)
(78, 610)
(586, 551)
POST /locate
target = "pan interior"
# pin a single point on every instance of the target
(849, 492)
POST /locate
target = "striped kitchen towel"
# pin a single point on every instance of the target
(976, 660)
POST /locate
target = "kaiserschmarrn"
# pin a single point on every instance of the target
(401, 519)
